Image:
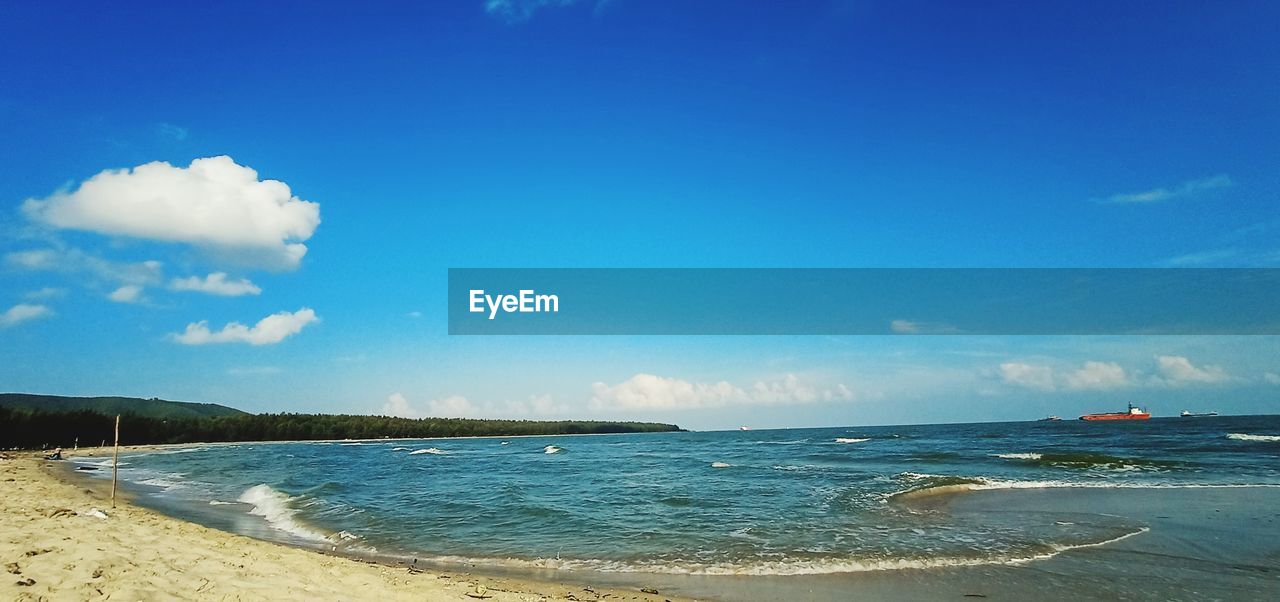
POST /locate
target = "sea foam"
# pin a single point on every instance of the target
(429, 450)
(1256, 438)
(273, 506)
(850, 440)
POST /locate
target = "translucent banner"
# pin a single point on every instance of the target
(901, 301)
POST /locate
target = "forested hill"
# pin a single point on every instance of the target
(23, 427)
(150, 408)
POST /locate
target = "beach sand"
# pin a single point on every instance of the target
(53, 548)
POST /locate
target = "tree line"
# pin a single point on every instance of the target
(27, 429)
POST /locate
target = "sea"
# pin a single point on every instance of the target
(815, 501)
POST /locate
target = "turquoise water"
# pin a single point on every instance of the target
(776, 502)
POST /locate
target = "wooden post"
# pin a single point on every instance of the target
(115, 464)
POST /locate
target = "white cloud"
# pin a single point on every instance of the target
(1098, 375)
(454, 406)
(648, 391)
(399, 407)
(75, 261)
(1092, 375)
(23, 312)
(414, 314)
(1027, 375)
(216, 284)
(1272, 378)
(1157, 195)
(1176, 370)
(48, 292)
(268, 331)
(214, 203)
(458, 406)
(519, 11)
(129, 293)
(1170, 371)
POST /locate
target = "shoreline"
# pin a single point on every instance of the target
(55, 547)
(1192, 543)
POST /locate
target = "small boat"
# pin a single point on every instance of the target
(1049, 419)
(1134, 413)
(744, 428)
(1186, 414)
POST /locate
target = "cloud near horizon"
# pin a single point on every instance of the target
(458, 406)
(1159, 195)
(268, 331)
(1169, 371)
(652, 392)
(214, 204)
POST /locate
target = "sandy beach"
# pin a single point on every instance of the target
(55, 546)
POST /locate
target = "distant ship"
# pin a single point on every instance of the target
(1134, 413)
(744, 428)
(1186, 414)
(1049, 419)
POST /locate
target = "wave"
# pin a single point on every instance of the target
(1256, 438)
(850, 440)
(551, 449)
(429, 450)
(400, 449)
(782, 567)
(721, 465)
(1089, 460)
(274, 507)
(932, 485)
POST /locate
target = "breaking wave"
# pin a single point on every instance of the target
(429, 450)
(1256, 438)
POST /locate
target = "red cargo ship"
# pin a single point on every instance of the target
(1134, 413)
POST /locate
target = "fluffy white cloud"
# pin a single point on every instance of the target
(129, 293)
(268, 331)
(213, 203)
(215, 284)
(1272, 378)
(1027, 375)
(1098, 375)
(1176, 370)
(453, 406)
(648, 391)
(399, 407)
(23, 312)
(1157, 195)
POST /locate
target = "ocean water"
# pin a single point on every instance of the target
(768, 502)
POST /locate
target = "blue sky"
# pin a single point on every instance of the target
(619, 134)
